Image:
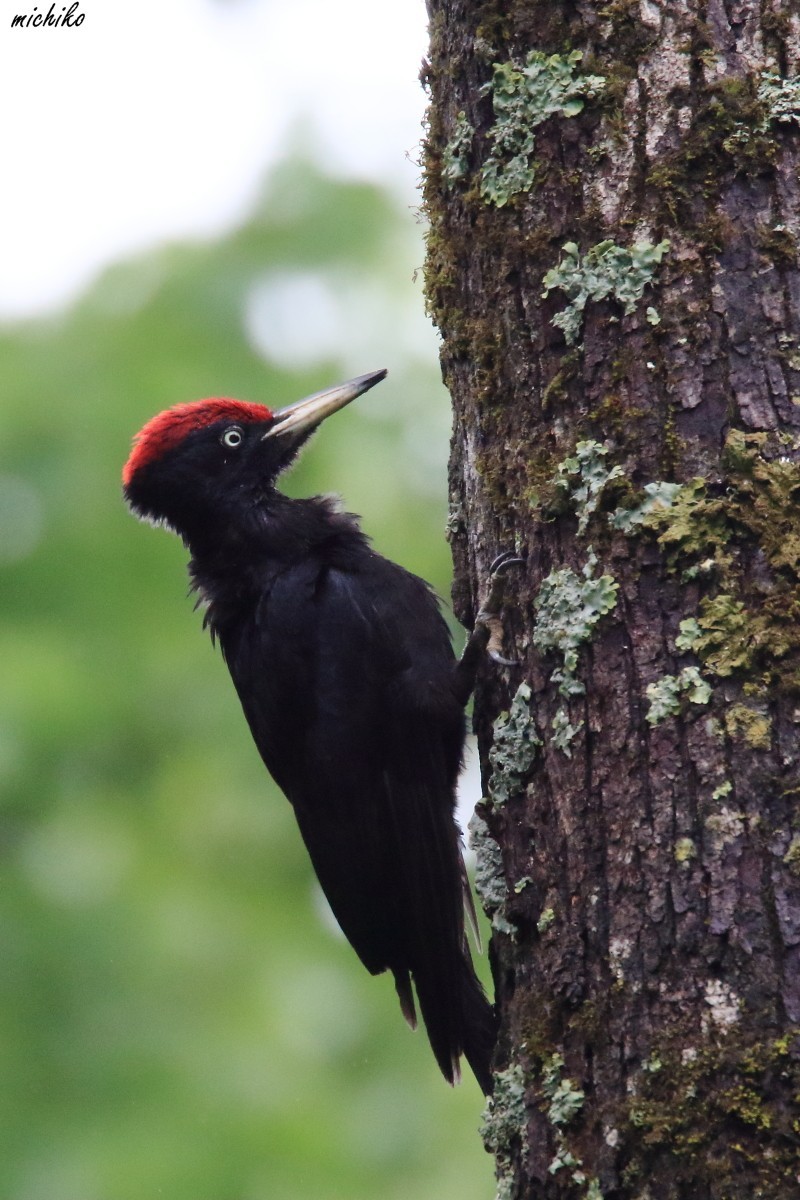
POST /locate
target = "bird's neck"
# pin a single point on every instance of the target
(233, 563)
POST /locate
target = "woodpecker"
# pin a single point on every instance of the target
(344, 668)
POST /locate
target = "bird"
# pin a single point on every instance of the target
(343, 664)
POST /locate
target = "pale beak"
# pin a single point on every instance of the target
(307, 414)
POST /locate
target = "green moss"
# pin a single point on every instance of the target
(605, 271)
(777, 28)
(752, 726)
(616, 417)
(743, 1102)
(779, 244)
(748, 627)
(694, 528)
(548, 916)
(684, 850)
(557, 390)
(712, 1107)
(729, 135)
(541, 472)
(724, 639)
(767, 503)
(792, 856)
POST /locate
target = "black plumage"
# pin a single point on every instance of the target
(343, 665)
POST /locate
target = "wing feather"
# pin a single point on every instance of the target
(349, 698)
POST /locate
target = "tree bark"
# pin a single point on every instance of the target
(614, 212)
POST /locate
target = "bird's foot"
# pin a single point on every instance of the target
(487, 634)
(489, 614)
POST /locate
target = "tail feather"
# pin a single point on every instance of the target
(405, 993)
(460, 1023)
(480, 1029)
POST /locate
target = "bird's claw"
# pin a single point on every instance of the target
(492, 622)
(507, 559)
(489, 615)
(504, 662)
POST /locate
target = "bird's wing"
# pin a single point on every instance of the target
(344, 679)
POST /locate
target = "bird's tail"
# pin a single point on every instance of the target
(479, 1028)
(459, 1021)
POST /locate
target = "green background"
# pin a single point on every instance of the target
(179, 1018)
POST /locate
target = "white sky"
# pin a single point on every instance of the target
(156, 119)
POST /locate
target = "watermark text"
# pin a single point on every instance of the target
(69, 17)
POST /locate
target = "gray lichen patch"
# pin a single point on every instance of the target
(564, 1101)
(514, 748)
(606, 271)
(724, 827)
(658, 496)
(724, 1006)
(583, 476)
(780, 97)
(490, 878)
(568, 607)
(792, 856)
(774, 100)
(504, 1116)
(665, 694)
(565, 1098)
(523, 97)
(503, 1125)
(455, 165)
(563, 732)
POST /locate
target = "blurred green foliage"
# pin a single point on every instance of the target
(178, 1017)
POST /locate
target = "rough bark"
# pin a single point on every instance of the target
(639, 841)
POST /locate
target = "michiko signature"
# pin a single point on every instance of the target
(69, 17)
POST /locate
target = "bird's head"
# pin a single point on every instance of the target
(193, 464)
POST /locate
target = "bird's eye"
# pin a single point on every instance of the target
(232, 437)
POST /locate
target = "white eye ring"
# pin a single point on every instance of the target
(233, 437)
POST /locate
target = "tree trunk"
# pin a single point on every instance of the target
(614, 211)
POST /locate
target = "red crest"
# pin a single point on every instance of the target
(170, 427)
